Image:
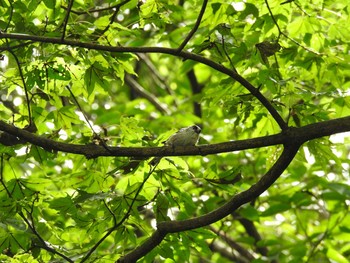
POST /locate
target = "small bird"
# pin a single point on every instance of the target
(184, 137)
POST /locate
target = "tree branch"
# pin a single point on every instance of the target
(115, 9)
(253, 232)
(146, 247)
(116, 225)
(10, 16)
(65, 21)
(194, 29)
(167, 227)
(302, 134)
(43, 244)
(24, 86)
(196, 89)
(98, 10)
(183, 54)
(280, 32)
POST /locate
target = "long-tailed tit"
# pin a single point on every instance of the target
(184, 137)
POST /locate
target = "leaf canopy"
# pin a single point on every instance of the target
(111, 73)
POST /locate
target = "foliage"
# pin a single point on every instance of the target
(111, 73)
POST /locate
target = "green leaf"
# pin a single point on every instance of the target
(161, 208)
(63, 204)
(275, 209)
(59, 73)
(250, 213)
(148, 8)
(102, 22)
(50, 3)
(94, 78)
(336, 256)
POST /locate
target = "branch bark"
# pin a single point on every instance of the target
(167, 227)
(296, 135)
(196, 89)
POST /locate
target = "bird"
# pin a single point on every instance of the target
(188, 136)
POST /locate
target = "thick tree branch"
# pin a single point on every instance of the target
(233, 204)
(142, 250)
(196, 89)
(243, 197)
(302, 134)
(183, 54)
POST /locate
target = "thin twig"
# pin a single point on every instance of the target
(116, 9)
(285, 35)
(10, 16)
(95, 135)
(194, 29)
(273, 17)
(111, 212)
(2, 175)
(24, 86)
(97, 10)
(116, 225)
(65, 21)
(226, 54)
(42, 241)
(80, 109)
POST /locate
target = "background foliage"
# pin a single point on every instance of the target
(58, 206)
